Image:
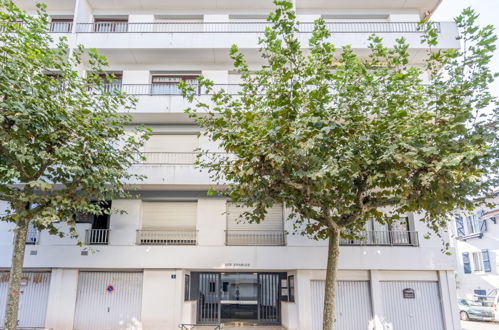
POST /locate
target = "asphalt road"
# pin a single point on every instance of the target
(473, 325)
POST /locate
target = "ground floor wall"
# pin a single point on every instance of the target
(162, 299)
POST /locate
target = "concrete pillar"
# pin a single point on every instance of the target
(447, 286)
(376, 301)
(303, 299)
(62, 299)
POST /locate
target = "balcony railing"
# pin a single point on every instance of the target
(97, 236)
(60, 27)
(170, 89)
(166, 237)
(255, 237)
(388, 238)
(245, 27)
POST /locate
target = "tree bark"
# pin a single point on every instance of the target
(329, 316)
(16, 271)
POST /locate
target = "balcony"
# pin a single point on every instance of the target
(97, 236)
(255, 238)
(166, 237)
(207, 43)
(245, 27)
(384, 238)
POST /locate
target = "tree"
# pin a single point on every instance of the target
(339, 138)
(64, 148)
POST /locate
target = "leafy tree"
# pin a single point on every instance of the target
(64, 148)
(339, 138)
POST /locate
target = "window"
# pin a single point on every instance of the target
(115, 24)
(466, 263)
(291, 288)
(187, 287)
(168, 84)
(477, 262)
(469, 223)
(61, 25)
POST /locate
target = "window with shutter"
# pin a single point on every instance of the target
(466, 263)
(169, 215)
(168, 84)
(483, 225)
(477, 262)
(459, 226)
(171, 143)
(273, 220)
(486, 261)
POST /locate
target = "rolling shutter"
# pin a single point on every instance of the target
(486, 261)
(273, 219)
(172, 143)
(459, 226)
(169, 215)
(466, 263)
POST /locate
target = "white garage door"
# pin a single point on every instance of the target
(108, 301)
(34, 297)
(424, 311)
(353, 305)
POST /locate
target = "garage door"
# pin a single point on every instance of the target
(108, 300)
(353, 305)
(416, 308)
(34, 298)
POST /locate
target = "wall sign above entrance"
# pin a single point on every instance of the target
(236, 265)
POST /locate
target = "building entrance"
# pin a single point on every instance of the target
(239, 297)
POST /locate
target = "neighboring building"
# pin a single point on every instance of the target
(476, 240)
(179, 256)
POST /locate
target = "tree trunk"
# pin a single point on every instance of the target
(329, 317)
(16, 271)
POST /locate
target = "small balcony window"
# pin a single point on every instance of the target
(61, 25)
(168, 84)
(110, 25)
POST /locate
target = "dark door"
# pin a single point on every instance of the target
(209, 298)
(269, 305)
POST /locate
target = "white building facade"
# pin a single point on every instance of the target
(475, 236)
(180, 257)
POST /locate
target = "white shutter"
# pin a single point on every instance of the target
(273, 220)
(169, 215)
(172, 143)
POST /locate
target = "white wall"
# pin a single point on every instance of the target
(162, 299)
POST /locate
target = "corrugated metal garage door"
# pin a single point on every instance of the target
(353, 305)
(34, 298)
(108, 300)
(422, 312)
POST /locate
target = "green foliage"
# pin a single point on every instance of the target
(339, 138)
(64, 147)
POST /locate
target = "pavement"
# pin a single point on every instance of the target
(476, 325)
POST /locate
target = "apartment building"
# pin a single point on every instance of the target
(179, 256)
(474, 235)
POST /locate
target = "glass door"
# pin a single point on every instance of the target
(239, 297)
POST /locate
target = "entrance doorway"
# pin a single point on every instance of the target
(239, 297)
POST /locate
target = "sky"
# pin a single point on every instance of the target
(489, 14)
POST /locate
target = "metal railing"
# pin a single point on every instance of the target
(255, 237)
(245, 27)
(33, 236)
(60, 27)
(97, 236)
(170, 89)
(380, 238)
(166, 237)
